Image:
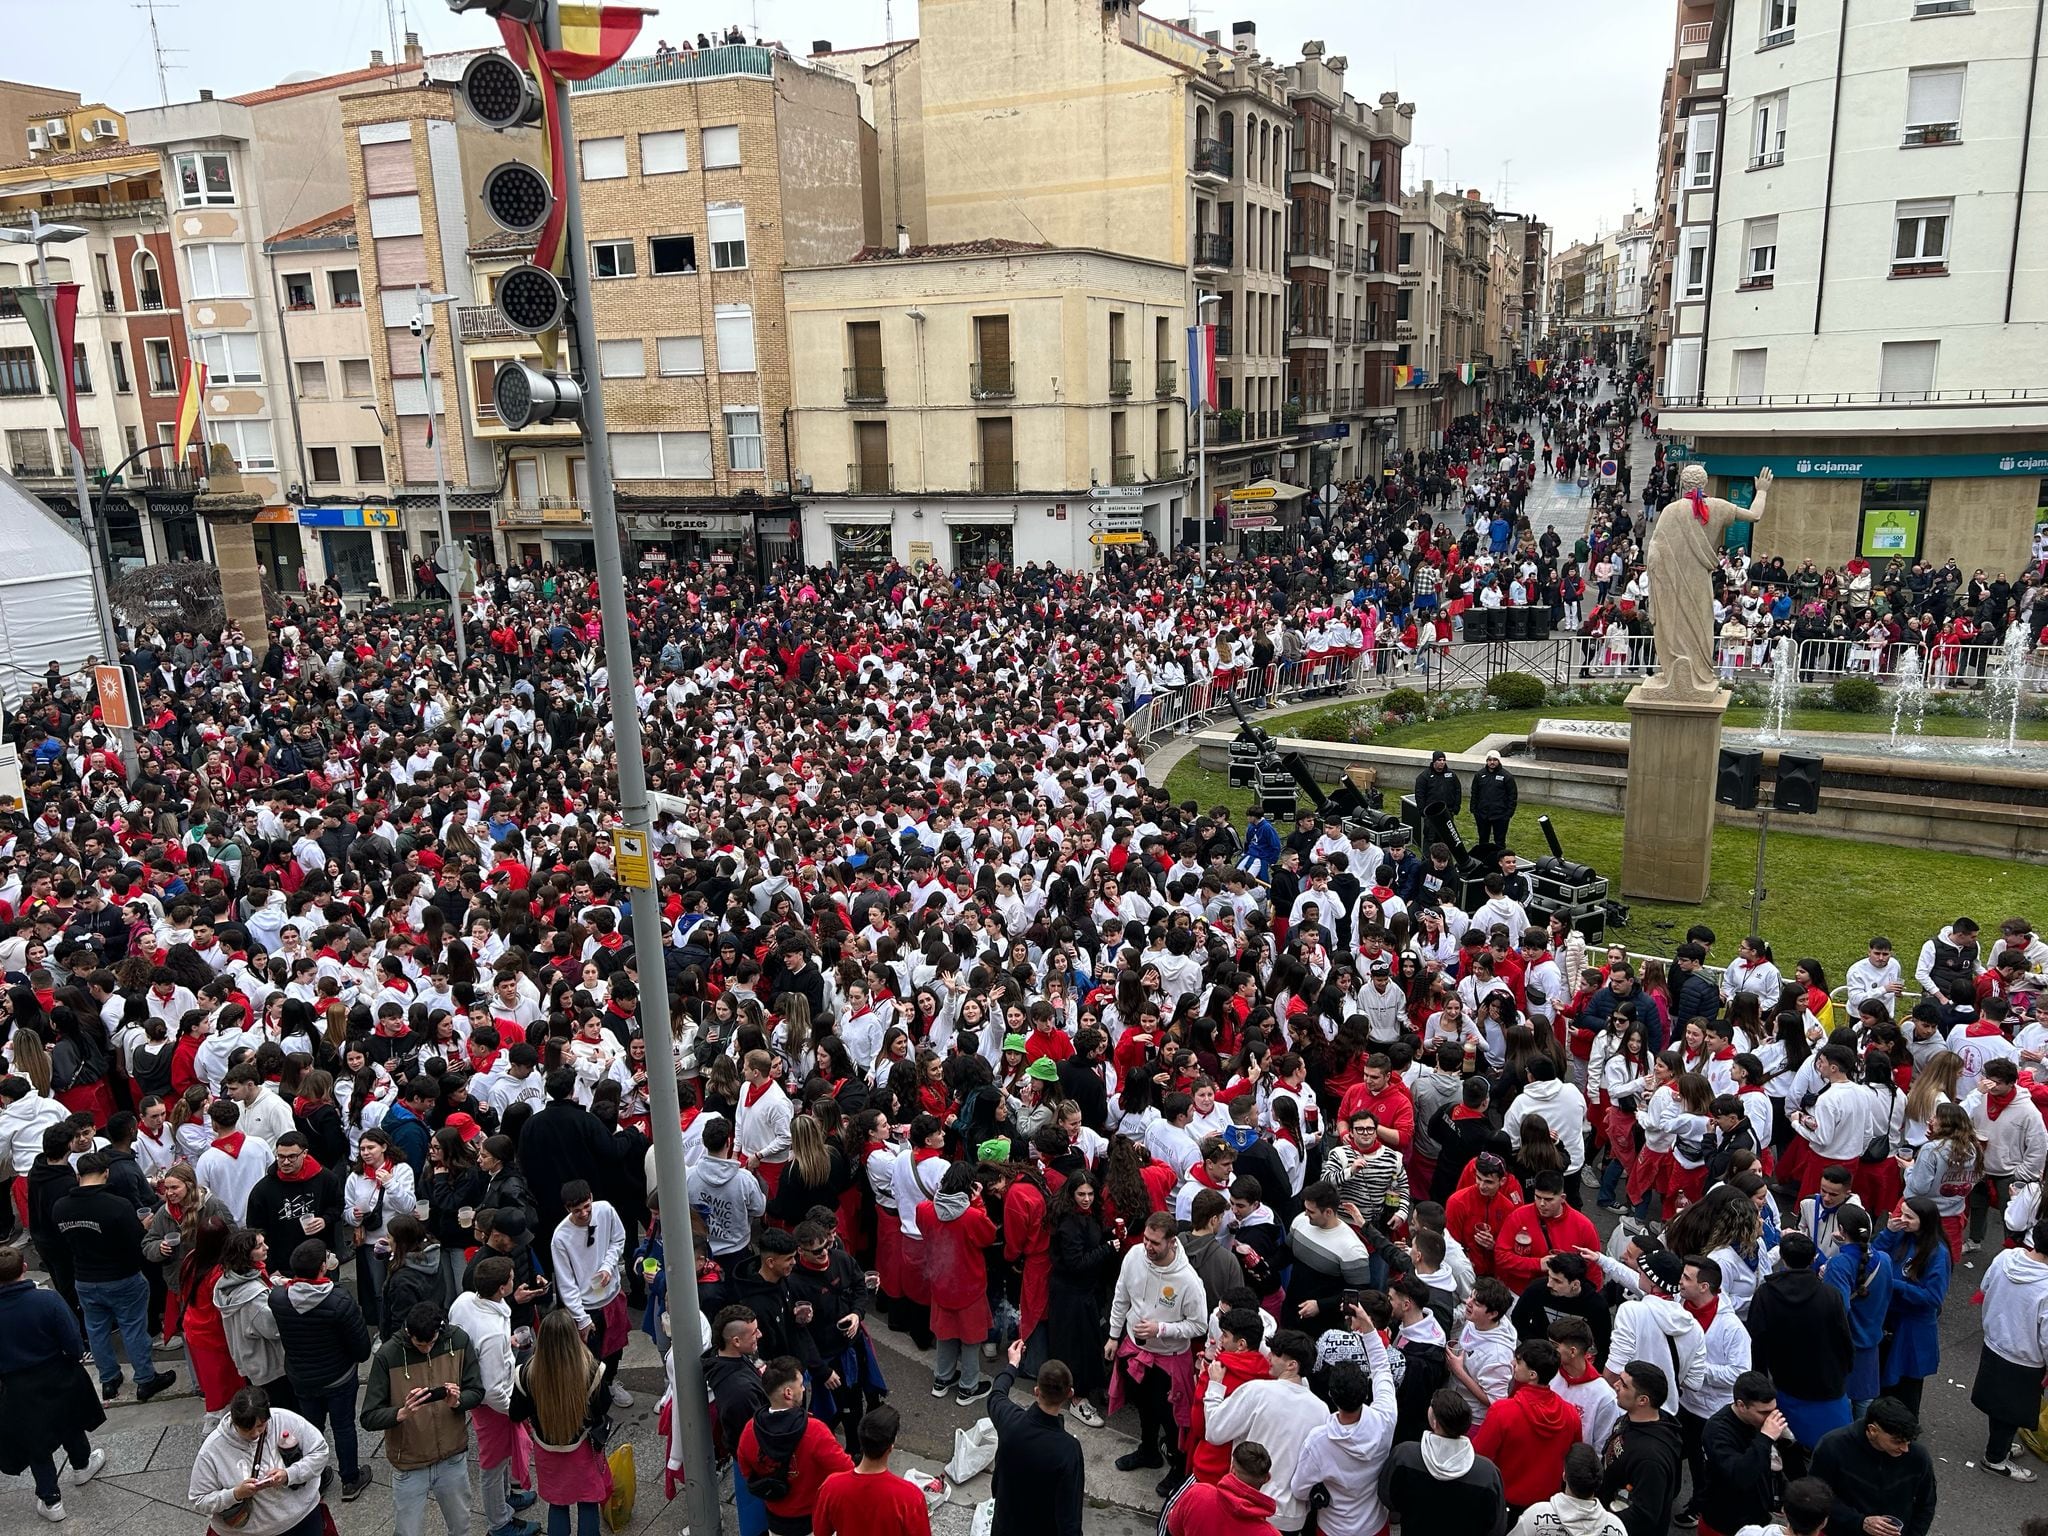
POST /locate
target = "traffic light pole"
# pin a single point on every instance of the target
(693, 1420)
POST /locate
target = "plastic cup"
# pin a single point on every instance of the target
(650, 1266)
(467, 1215)
(306, 1224)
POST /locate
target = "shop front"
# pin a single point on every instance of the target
(279, 549)
(859, 539)
(981, 540)
(664, 540)
(347, 541)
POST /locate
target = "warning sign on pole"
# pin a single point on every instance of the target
(633, 867)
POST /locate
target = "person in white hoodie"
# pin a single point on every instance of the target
(1281, 1413)
(2015, 1349)
(485, 1315)
(588, 1251)
(24, 1116)
(1655, 1326)
(1576, 1510)
(1346, 1453)
(1557, 1103)
(1156, 1314)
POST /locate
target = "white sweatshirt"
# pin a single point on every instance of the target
(1280, 1415)
(489, 1326)
(1346, 1458)
(2016, 1307)
(581, 1254)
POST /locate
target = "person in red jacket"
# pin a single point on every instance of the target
(785, 1454)
(1235, 1506)
(1528, 1433)
(1239, 1333)
(1544, 1226)
(1386, 1097)
(1478, 1213)
(956, 1229)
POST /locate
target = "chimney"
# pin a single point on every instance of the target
(1244, 36)
(205, 94)
(902, 241)
(414, 54)
(376, 58)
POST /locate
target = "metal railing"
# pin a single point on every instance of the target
(1119, 376)
(1871, 397)
(866, 385)
(994, 477)
(1166, 376)
(1213, 158)
(1123, 469)
(991, 381)
(1212, 250)
(870, 479)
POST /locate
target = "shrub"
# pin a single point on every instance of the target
(1515, 690)
(1404, 701)
(1856, 695)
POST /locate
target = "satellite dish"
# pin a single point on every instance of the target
(301, 76)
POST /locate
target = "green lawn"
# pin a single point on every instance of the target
(1824, 897)
(1461, 733)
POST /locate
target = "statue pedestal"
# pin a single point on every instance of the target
(1674, 748)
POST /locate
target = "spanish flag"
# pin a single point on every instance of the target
(191, 394)
(1403, 377)
(1539, 366)
(594, 38)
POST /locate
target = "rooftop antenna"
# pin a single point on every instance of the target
(156, 46)
(391, 25)
(1504, 183)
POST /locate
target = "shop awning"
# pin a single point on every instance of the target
(836, 517)
(970, 517)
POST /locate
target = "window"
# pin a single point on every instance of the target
(89, 446)
(603, 159)
(1780, 16)
(1760, 253)
(122, 384)
(312, 380)
(661, 455)
(356, 382)
(163, 370)
(28, 452)
(1921, 241)
(1692, 272)
(298, 290)
(231, 358)
(1701, 135)
(734, 327)
(672, 255)
(204, 180)
(81, 371)
(369, 463)
(612, 258)
(675, 356)
(1768, 147)
(1934, 106)
(325, 464)
(346, 289)
(622, 359)
(662, 154)
(721, 148)
(395, 217)
(1747, 374)
(742, 437)
(1682, 373)
(18, 371)
(1906, 371)
(247, 442)
(149, 288)
(728, 235)
(218, 272)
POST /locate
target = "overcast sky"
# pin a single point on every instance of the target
(1559, 102)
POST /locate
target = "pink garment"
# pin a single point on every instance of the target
(498, 1440)
(580, 1476)
(1135, 1360)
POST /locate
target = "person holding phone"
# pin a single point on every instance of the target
(266, 1460)
(423, 1384)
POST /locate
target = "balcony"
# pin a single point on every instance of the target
(1224, 341)
(1344, 400)
(1165, 377)
(1694, 41)
(1347, 258)
(1225, 426)
(531, 511)
(1922, 134)
(992, 381)
(870, 479)
(168, 481)
(1302, 166)
(1308, 248)
(993, 477)
(1764, 162)
(1123, 469)
(1119, 377)
(1347, 185)
(1213, 253)
(35, 467)
(1372, 192)
(1344, 330)
(483, 322)
(1213, 160)
(1170, 467)
(866, 385)
(152, 298)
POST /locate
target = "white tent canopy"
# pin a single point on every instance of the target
(46, 600)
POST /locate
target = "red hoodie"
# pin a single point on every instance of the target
(1228, 1508)
(1539, 1427)
(1526, 1238)
(1211, 1463)
(1393, 1108)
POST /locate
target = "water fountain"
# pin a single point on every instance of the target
(2004, 689)
(1784, 687)
(1909, 702)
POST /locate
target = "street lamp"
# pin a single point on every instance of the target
(449, 561)
(1201, 455)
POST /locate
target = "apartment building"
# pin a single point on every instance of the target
(1530, 238)
(1688, 173)
(1419, 317)
(70, 163)
(1869, 319)
(991, 402)
(1344, 227)
(237, 170)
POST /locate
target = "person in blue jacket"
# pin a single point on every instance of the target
(1863, 1276)
(1921, 1267)
(1261, 843)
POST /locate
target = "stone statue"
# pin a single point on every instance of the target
(1684, 549)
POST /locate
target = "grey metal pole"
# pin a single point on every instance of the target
(425, 317)
(700, 1494)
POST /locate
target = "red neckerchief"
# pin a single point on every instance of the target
(231, 1143)
(1996, 1104)
(1464, 1113)
(1699, 506)
(1200, 1174)
(921, 1154)
(309, 1169)
(1726, 1053)
(1749, 1088)
(1589, 1372)
(751, 1094)
(1704, 1313)
(689, 1115)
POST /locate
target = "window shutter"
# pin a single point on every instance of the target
(1934, 96)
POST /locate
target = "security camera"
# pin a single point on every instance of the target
(419, 326)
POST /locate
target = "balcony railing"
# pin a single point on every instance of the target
(1344, 330)
(1347, 258)
(1123, 469)
(152, 298)
(1372, 191)
(870, 479)
(1224, 428)
(1347, 185)
(1166, 376)
(994, 477)
(1224, 341)
(992, 381)
(1169, 465)
(1212, 251)
(1933, 133)
(1214, 159)
(34, 467)
(1119, 377)
(866, 386)
(483, 322)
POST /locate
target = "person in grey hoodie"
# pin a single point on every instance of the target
(242, 1296)
(1208, 1251)
(1576, 1509)
(731, 1196)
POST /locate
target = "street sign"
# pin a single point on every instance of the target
(630, 861)
(1609, 470)
(1253, 493)
(1116, 538)
(1116, 493)
(1124, 519)
(1252, 521)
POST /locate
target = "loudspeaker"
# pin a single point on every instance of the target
(1735, 782)
(1798, 784)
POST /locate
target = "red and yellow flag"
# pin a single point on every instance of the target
(191, 395)
(594, 38)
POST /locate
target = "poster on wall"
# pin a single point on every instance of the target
(1891, 533)
(1742, 492)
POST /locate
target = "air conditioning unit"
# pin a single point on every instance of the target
(803, 484)
(57, 128)
(106, 127)
(37, 139)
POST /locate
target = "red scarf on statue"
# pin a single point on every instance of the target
(1699, 506)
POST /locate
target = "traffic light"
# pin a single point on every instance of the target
(502, 95)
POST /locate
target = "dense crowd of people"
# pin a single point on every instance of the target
(326, 1058)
